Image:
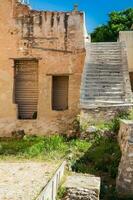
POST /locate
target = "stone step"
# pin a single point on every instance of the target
(92, 64)
(104, 79)
(97, 52)
(104, 62)
(105, 43)
(102, 102)
(102, 84)
(100, 44)
(105, 91)
(105, 56)
(85, 87)
(103, 98)
(104, 48)
(97, 85)
(103, 70)
(102, 87)
(101, 74)
(104, 67)
(109, 93)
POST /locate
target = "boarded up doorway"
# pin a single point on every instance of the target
(26, 88)
(60, 93)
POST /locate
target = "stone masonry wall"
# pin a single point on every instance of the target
(56, 40)
(100, 114)
(124, 182)
(82, 187)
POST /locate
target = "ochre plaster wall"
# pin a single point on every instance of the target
(127, 37)
(56, 39)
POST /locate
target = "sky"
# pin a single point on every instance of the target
(96, 11)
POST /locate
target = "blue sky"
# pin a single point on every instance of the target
(96, 10)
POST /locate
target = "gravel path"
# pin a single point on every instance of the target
(24, 181)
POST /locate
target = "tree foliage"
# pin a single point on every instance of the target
(118, 21)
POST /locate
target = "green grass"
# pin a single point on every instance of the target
(102, 157)
(43, 148)
(99, 155)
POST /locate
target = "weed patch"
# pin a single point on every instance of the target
(44, 147)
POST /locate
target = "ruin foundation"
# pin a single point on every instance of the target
(80, 186)
(124, 182)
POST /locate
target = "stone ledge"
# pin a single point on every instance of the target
(82, 186)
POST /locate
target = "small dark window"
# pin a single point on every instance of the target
(60, 93)
(131, 80)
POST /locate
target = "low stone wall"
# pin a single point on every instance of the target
(124, 183)
(97, 114)
(50, 190)
(80, 186)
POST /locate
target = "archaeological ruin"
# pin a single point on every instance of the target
(42, 56)
(50, 71)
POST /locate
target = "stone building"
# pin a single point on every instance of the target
(41, 60)
(42, 56)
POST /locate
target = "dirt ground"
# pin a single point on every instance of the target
(24, 180)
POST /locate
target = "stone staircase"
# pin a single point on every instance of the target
(105, 79)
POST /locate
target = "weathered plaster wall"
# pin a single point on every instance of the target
(57, 40)
(125, 174)
(127, 37)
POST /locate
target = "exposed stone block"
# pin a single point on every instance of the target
(82, 187)
(124, 181)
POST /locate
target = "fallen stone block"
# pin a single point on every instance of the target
(82, 187)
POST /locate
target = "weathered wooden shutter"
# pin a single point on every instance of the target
(26, 88)
(60, 93)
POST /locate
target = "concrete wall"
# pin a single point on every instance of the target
(51, 189)
(124, 182)
(127, 37)
(56, 39)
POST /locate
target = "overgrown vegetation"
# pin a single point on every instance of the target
(99, 154)
(118, 21)
(43, 147)
(61, 193)
(103, 156)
